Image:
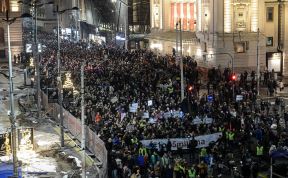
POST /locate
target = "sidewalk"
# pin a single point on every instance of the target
(47, 159)
(47, 141)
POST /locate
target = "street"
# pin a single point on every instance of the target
(46, 158)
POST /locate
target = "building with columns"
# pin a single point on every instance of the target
(213, 28)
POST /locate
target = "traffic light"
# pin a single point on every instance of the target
(190, 88)
(233, 77)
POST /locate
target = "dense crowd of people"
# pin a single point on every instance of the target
(133, 96)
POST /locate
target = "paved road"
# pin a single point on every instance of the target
(4, 97)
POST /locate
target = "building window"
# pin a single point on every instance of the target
(269, 41)
(2, 37)
(240, 47)
(156, 14)
(270, 13)
(12, 5)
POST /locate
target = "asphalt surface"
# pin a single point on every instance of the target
(4, 97)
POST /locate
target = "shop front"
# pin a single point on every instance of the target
(274, 61)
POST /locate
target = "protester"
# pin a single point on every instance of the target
(135, 96)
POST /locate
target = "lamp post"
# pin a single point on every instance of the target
(35, 6)
(60, 97)
(126, 23)
(9, 21)
(258, 64)
(180, 56)
(83, 139)
(115, 17)
(78, 29)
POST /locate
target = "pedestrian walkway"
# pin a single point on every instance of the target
(46, 156)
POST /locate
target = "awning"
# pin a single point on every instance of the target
(137, 36)
(88, 28)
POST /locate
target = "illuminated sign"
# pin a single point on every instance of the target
(25, 139)
(28, 48)
(120, 38)
(274, 61)
(39, 48)
(5, 144)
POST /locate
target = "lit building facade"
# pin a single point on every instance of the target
(163, 18)
(274, 28)
(15, 29)
(79, 24)
(165, 14)
(212, 28)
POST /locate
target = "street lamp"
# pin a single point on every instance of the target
(126, 23)
(60, 97)
(35, 6)
(180, 56)
(115, 17)
(10, 21)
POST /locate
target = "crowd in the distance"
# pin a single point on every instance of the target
(132, 96)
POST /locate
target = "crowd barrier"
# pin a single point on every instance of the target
(94, 144)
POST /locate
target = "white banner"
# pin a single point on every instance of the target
(150, 102)
(133, 107)
(205, 120)
(145, 115)
(203, 141)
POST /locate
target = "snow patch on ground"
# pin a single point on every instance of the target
(33, 162)
(78, 162)
(5, 158)
(43, 139)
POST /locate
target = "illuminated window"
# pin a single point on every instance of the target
(269, 14)
(2, 38)
(269, 41)
(227, 16)
(240, 47)
(14, 6)
(240, 17)
(254, 15)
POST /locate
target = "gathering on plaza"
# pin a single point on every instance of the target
(134, 105)
(144, 88)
